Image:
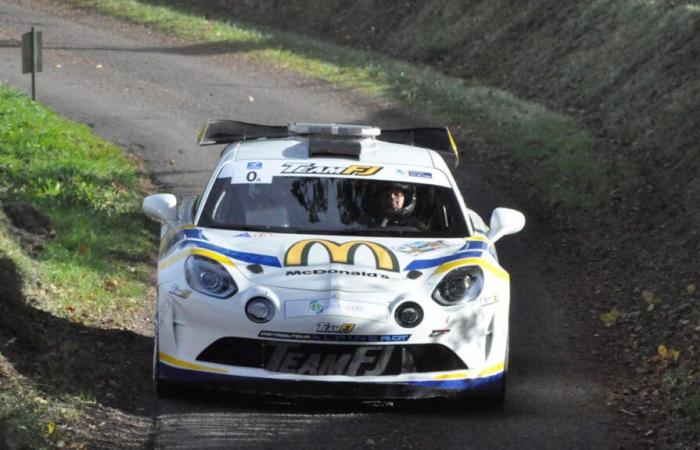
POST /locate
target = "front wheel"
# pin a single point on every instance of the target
(497, 399)
(161, 387)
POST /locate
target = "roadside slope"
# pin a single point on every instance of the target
(74, 283)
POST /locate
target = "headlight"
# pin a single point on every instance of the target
(460, 285)
(208, 277)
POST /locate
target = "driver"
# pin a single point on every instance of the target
(400, 204)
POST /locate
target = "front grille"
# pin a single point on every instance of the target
(329, 359)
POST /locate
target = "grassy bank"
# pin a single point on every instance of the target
(64, 288)
(565, 172)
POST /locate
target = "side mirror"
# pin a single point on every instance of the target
(505, 221)
(161, 207)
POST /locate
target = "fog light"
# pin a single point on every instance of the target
(260, 310)
(409, 314)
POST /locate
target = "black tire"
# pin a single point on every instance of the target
(162, 387)
(496, 400)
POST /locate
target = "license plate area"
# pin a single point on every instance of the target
(317, 359)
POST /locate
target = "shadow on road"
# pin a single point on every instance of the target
(64, 357)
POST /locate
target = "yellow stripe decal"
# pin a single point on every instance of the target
(493, 370)
(164, 357)
(473, 261)
(225, 260)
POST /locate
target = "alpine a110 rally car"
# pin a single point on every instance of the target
(331, 260)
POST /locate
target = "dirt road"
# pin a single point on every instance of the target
(150, 94)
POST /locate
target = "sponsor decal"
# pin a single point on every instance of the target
(252, 235)
(334, 271)
(182, 293)
(418, 247)
(254, 166)
(401, 172)
(365, 360)
(298, 253)
(316, 306)
(334, 337)
(327, 327)
(335, 307)
(314, 169)
(419, 174)
(488, 300)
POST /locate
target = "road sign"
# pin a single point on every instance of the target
(31, 56)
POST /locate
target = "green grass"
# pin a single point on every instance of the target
(92, 193)
(549, 149)
(92, 272)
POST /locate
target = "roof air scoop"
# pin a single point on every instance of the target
(334, 129)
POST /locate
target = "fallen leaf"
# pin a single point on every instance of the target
(251, 99)
(99, 66)
(668, 353)
(690, 289)
(51, 427)
(111, 283)
(674, 354)
(610, 317)
(663, 351)
(650, 298)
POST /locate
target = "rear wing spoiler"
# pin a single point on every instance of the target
(228, 131)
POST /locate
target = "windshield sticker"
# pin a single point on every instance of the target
(419, 174)
(313, 169)
(416, 248)
(247, 172)
(334, 307)
(298, 253)
(413, 173)
(252, 176)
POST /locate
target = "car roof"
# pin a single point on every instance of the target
(297, 147)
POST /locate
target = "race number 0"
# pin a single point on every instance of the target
(252, 176)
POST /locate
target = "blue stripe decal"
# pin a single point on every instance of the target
(486, 383)
(474, 245)
(428, 263)
(472, 383)
(253, 258)
(192, 233)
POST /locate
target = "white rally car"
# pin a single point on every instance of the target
(331, 260)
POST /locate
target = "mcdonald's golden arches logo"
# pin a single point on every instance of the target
(298, 254)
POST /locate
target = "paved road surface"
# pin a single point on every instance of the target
(150, 94)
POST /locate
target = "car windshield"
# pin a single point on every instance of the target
(333, 205)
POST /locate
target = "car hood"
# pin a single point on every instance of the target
(323, 262)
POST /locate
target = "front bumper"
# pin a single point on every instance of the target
(463, 383)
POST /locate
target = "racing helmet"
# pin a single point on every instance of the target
(409, 194)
